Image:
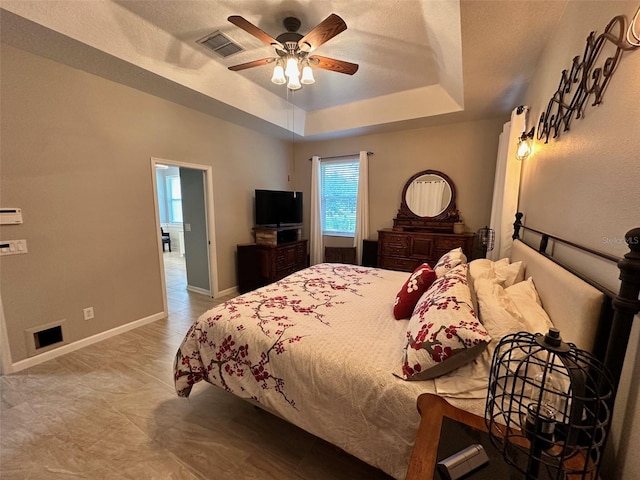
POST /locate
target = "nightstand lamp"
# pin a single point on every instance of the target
(549, 406)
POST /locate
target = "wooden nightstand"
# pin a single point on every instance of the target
(445, 430)
(461, 429)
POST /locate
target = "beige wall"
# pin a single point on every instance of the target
(585, 185)
(466, 152)
(75, 156)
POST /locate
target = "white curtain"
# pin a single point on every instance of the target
(507, 185)
(427, 197)
(362, 206)
(316, 244)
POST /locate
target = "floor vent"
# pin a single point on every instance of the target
(220, 44)
(45, 337)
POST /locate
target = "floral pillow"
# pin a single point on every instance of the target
(449, 260)
(444, 332)
(406, 299)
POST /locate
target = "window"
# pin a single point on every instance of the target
(174, 194)
(338, 196)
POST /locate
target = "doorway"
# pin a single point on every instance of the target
(191, 222)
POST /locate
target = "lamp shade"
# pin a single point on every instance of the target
(294, 83)
(307, 76)
(291, 69)
(549, 406)
(278, 75)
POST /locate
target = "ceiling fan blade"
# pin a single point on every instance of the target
(255, 63)
(334, 65)
(249, 27)
(326, 30)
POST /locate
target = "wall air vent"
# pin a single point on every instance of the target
(220, 44)
(45, 337)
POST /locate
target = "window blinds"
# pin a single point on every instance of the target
(338, 196)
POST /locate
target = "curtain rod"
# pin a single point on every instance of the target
(342, 156)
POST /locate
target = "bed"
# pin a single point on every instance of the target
(323, 349)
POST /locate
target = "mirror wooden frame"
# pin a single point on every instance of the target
(407, 220)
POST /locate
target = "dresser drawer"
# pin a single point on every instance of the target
(276, 262)
(405, 251)
(394, 244)
(397, 238)
(402, 264)
(283, 272)
(289, 255)
(394, 250)
(444, 243)
(421, 247)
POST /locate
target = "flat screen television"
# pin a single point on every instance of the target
(276, 208)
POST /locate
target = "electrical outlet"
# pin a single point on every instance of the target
(88, 313)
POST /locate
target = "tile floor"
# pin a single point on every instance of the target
(109, 411)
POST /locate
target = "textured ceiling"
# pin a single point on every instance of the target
(421, 61)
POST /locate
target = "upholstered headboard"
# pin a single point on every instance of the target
(587, 314)
(573, 305)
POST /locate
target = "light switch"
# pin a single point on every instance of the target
(13, 247)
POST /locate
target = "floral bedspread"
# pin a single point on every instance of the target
(318, 348)
(240, 344)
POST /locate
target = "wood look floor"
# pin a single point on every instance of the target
(109, 411)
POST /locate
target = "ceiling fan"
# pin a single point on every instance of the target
(294, 50)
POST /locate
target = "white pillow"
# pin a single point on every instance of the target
(524, 291)
(497, 311)
(526, 298)
(503, 272)
(509, 273)
(479, 268)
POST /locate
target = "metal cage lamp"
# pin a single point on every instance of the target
(549, 406)
(487, 240)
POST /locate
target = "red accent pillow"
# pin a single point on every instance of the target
(406, 299)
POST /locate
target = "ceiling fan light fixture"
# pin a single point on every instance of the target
(307, 75)
(278, 75)
(292, 67)
(293, 49)
(294, 82)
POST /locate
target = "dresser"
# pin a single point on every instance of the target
(406, 250)
(262, 264)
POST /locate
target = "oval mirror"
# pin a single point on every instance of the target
(428, 195)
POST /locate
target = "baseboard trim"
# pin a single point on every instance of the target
(71, 347)
(199, 290)
(228, 291)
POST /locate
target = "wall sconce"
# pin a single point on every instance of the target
(525, 145)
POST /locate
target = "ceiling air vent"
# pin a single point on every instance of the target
(220, 44)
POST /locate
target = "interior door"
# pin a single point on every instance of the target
(196, 241)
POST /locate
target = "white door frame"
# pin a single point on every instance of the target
(211, 237)
(5, 352)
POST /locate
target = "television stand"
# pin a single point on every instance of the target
(278, 252)
(276, 235)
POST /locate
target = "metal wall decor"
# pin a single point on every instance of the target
(588, 77)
